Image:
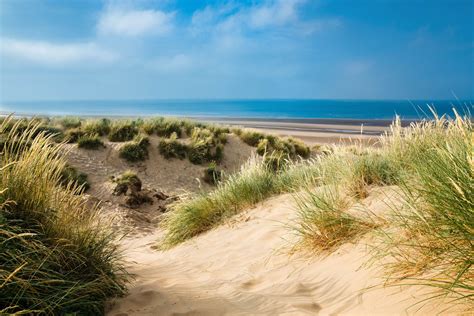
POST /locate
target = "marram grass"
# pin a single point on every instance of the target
(429, 239)
(432, 239)
(55, 258)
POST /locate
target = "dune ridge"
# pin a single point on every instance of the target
(247, 267)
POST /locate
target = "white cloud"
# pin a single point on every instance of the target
(176, 63)
(55, 54)
(130, 22)
(275, 13)
(268, 16)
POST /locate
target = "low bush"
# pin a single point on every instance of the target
(122, 131)
(70, 122)
(90, 142)
(172, 148)
(251, 138)
(72, 135)
(289, 147)
(212, 174)
(71, 178)
(137, 150)
(205, 146)
(97, 127)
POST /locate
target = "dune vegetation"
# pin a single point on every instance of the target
(55, 258)
(428, 236)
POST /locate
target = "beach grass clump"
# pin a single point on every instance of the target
(172, 148)
(251, 138)
(72, 135)
(70, 122)
(206, 146)
(90, 142)
(289, 147)
(432, 242)
(163, 127)
(199, 213)
(79, 179)
(99, 127)
(56, 258)
(136, 150)
(371, 168)
(122, 131)
(168, 127)
(212, 174)
(323, 221)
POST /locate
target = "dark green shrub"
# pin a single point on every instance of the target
(168, 127)
(275, 161)
(299, 148)
(198, 152)
(90, 142)
(70, 122)
(100, 127)
(212, 175)
(73, 135)
(205, 146)
(251, 138)
(49, 130)
(136, 150)
(172, 148)
(122, 131)
(70, 173)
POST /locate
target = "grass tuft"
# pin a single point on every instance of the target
(90, 142)
(56, 258)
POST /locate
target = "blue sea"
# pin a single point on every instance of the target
(262, 108)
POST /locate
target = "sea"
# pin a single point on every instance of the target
(242, 108)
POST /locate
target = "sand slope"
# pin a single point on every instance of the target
(244, 268)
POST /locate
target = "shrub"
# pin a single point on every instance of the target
(56, 258)
(299, 148)
(205, 146)
(275, 161)
(90, 142)
(122, 131)
(72, 135)
(290, 147)
(172, 148)
(57, 134)
(74, 179)
(198, 152)
(168, 127)
(136, 150)
(211, 174)
(251, 138)
(127, 180)
(97, 127)
(70, 122)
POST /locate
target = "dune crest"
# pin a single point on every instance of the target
(245, 268)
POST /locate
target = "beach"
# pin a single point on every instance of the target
(315, 131)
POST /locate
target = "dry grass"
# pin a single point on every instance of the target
(55, 258)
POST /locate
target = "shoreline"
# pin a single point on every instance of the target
(311, 130)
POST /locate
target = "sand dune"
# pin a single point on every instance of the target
(245, 268)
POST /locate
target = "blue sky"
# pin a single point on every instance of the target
(344, 49)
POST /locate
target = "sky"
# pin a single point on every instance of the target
(185, 49)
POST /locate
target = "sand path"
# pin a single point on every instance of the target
(244, 268)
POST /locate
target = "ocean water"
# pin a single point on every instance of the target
(263, 108)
